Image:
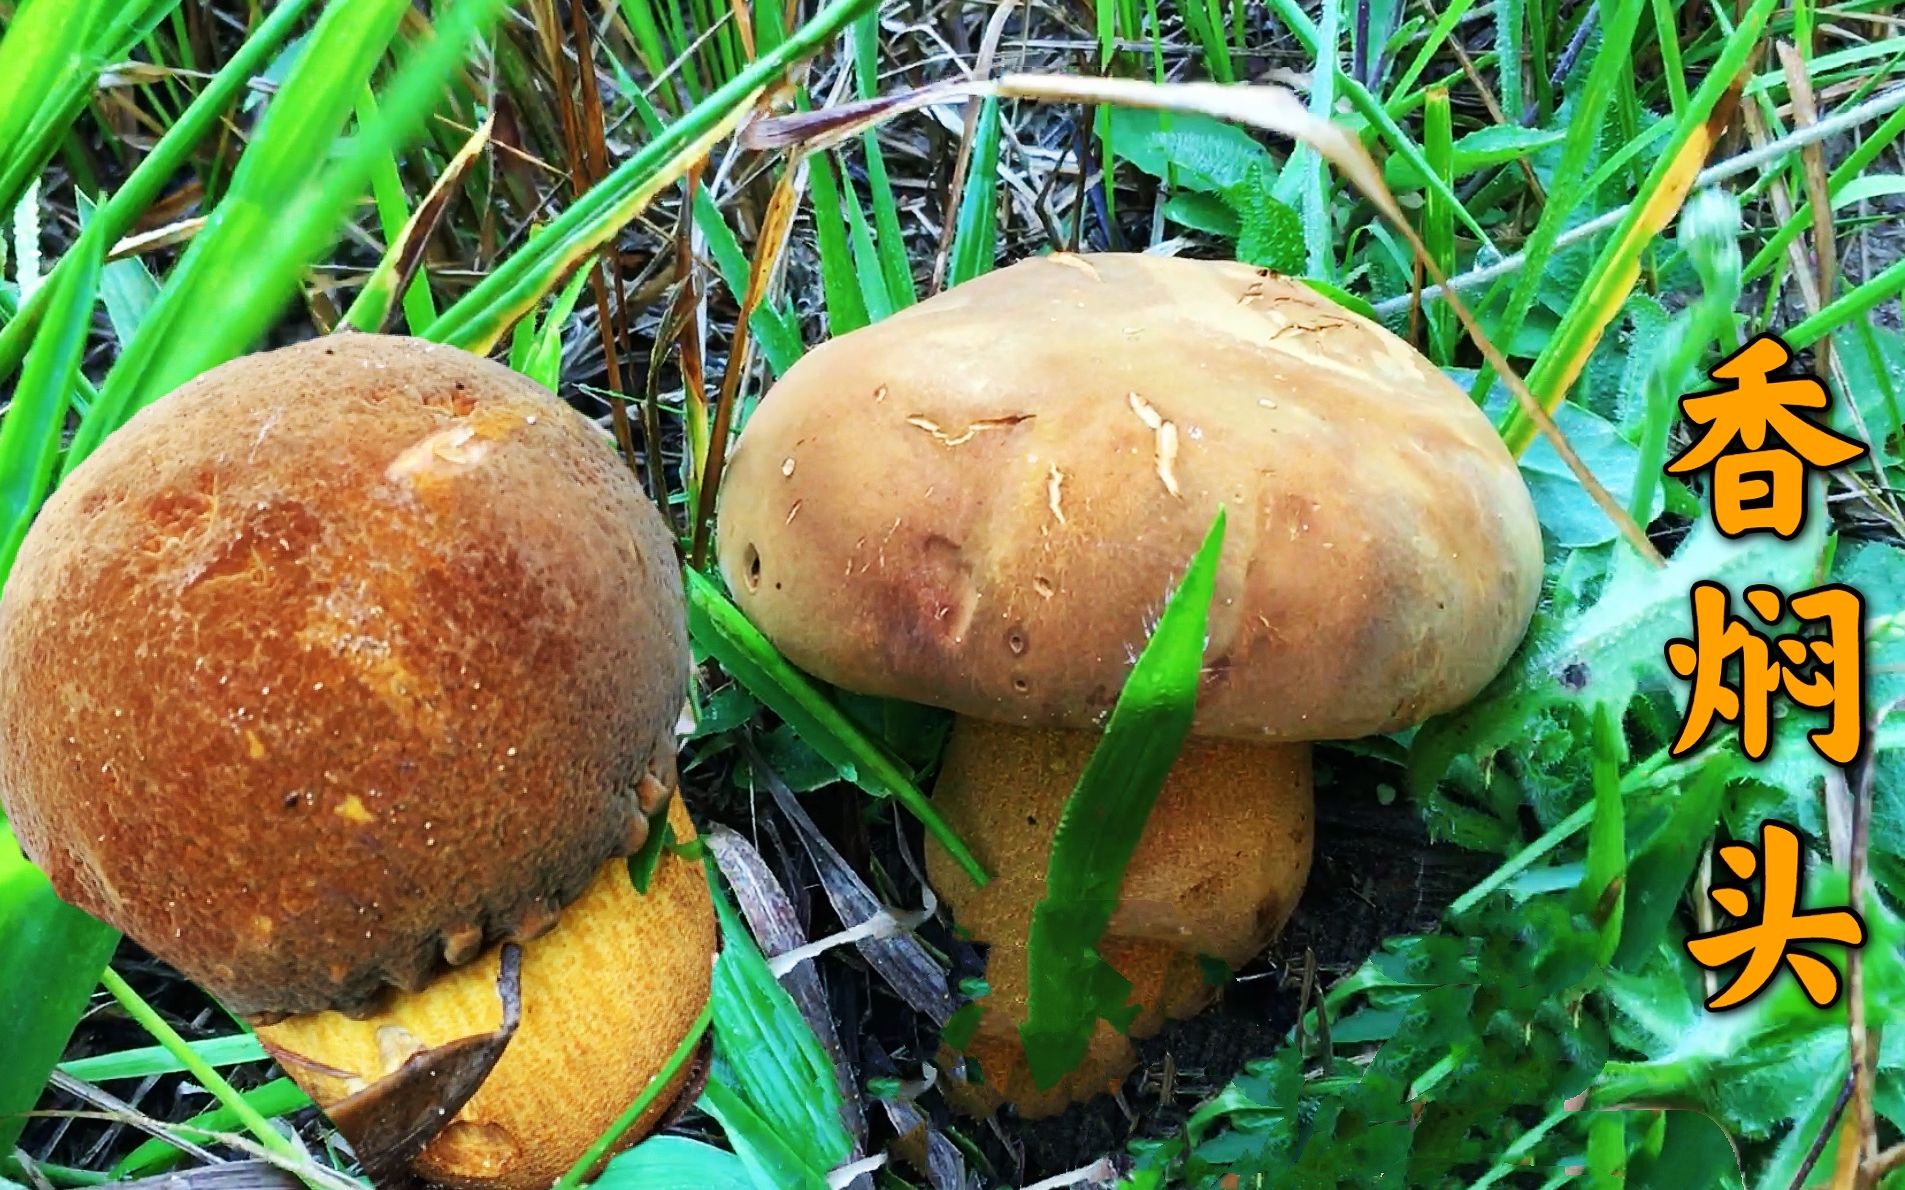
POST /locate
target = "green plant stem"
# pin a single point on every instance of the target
(662, 1080)
(201, 1070)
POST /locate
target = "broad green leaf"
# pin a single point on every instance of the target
(1070, 986)
(675, 1163)
(1568, 514)
(1498, 144)
(1194, 152)
(1203, 212)
(48, 968)
(768, 1155)
(1270, 234)
(1600, 656)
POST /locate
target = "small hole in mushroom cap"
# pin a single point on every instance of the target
(1015, 640)
(1021, 685)
(752, 568)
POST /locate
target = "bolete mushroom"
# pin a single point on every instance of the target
(335, 671)
(982, 503)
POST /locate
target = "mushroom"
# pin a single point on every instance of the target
(335, 671)
(982, 503)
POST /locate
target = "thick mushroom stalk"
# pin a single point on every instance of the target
(333, 671)
(1222, 862)
(982, 502)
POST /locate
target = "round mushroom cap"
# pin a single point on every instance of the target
(982, 503)
(338, 662)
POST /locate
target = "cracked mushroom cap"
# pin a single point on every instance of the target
(982, 502)
(335, 663)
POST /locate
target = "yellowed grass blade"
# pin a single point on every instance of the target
(373, 307)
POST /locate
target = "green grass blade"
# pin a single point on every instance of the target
(770, 1160)
(766, 1053)
(866, 258)
(1853, 168)
(276, 219)
(886, 216)
(48, 969)
(201, 1071)
(544, 365)
(1396, 138)
(515, 286)
(41, 56)
(975, 239)
(720, 629)
(1438, 215)
(1856, 302)
(839, 283)
(1298, 22)
(51, 57)
(30, 433)
(1617, 266)
(155, 172)
(156, 1059)
(1445, 23)
(1603, 887)
(1584, 135)
(277, 1098)
(640, 16)
(393, 212)
(1305, 165)
(1069, 985)
(1510, 21)
(894, 263)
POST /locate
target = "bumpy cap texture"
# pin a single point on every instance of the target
(337, 662)
(983, 501)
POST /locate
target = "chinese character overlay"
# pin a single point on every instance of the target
(1772, 940)
(1822, 670)
(1758, 484)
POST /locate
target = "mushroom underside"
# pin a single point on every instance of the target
(606, 997)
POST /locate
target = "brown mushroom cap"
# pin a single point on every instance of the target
(339, 660)
(982, 502)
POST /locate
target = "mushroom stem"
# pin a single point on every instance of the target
(1221, 864)
(606, 995)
